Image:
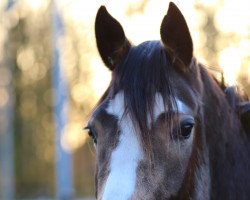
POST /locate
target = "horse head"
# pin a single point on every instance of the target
(150, 128)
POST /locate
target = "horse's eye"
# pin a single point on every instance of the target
(186, 129)
(92, 134)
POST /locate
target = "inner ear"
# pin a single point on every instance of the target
(175, 34)
(111, 41)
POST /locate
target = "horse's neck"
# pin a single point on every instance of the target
(228, 148)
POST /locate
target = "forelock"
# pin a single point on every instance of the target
(144, 72)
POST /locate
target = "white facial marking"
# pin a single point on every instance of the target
(159, 106)
(121, 181)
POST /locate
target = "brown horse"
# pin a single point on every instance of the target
(164, 129)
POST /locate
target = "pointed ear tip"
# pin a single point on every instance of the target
(102, 9)
(101, 14)
(172, 5)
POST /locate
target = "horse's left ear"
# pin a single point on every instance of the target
(175, 34)
(111, 41)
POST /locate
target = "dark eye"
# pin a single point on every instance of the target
(91, 133)
(186, 129)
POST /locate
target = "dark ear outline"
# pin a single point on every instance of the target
(175, 34)
(111, 41)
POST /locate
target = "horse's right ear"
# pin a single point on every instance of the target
(111, 41)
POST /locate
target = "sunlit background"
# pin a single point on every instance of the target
(221, 37)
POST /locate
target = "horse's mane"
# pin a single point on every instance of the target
(228, 146)
(239, 102)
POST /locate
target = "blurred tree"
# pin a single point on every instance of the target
(244, 76)
(210, 37)
(30, 51)
(7, 189)
(215, 41)
(63, 162)
(77, 62)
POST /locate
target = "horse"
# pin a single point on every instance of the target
(164, 128)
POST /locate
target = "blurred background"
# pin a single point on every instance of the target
(51, 76)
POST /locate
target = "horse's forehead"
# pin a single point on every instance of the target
(178, 105)
(109, 107)
(130, 157)
(116, 106)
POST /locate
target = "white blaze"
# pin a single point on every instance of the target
(121, 181)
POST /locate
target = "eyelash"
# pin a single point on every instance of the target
(92, 134)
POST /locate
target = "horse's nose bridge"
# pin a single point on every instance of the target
(120, 182)
(125, 158)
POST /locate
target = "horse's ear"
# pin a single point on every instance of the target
(111, 41)
(175, 34)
